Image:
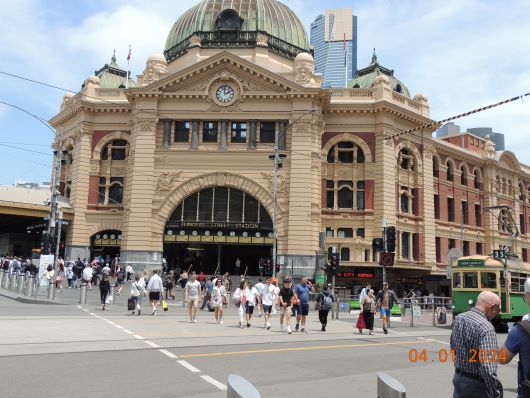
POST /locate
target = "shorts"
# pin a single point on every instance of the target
(154, 296)
(193, 301)
(385, 311)
(267, 308)
(286, 310)
(249, 309)
(302, 309)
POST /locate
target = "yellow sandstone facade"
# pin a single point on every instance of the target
(176, 163)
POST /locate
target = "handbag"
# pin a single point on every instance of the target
(131, 303)
(108, 300)
(164, 305)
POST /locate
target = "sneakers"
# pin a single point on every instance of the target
(289, 330)
(323, 328)
(268, 326)
(220, 322)
(248, 325)
(297, 327)
(385, 330)
(139, 312)
(195, 321)
(303, 330)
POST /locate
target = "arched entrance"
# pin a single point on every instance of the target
(105, 244)
(213, 227)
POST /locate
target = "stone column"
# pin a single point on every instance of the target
(282, 135)
(141, 246)
(167, 132)
(223, 140)
(194, 134)
(252, 134)
(78, 240)
(429, 222)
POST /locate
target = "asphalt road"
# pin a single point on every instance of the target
(68, 351)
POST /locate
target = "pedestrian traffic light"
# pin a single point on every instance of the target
(277, 267)
(334, 263)
(391, 239)
(378, 245)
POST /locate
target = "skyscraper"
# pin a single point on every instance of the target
(334, 40)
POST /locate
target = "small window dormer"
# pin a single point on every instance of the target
(229, 20)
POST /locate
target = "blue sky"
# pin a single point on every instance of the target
(462, 54)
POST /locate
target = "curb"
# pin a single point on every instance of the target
(27, 300)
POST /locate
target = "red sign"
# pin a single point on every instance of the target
(361, 275)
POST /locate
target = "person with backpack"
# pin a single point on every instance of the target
(518, 342)
(208, 289)
(324, 303)
(120, 278)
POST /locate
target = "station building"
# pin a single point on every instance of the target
(175, 163)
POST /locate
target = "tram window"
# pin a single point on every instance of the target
(457, 283)
(517, 282)
(488, 280)
(470, 280)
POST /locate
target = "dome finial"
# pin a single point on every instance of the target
(113, 59)
(374, 57)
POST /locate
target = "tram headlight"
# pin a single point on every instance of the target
(470, 302)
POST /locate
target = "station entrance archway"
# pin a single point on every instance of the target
(214, 227)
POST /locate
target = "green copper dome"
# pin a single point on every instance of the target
(365, 77)
(238, 24)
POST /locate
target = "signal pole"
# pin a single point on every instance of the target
(383, 226)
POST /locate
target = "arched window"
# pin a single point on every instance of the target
(404, 201)
(435, 167)
(399, 89)
(115, 150)
(450, 171)
(346, 152)
(476, 179)
(111, 180)
(345, 254)
(463, 175)
(406, 160)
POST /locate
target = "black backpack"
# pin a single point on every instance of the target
(525, 385)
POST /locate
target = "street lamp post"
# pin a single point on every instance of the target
(277, 159)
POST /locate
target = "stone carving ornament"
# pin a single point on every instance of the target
(146, 125)
(282, 186)
(166, 181)
(304, 67)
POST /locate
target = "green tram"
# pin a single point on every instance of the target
(474, 274)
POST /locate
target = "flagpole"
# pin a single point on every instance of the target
(128, 61)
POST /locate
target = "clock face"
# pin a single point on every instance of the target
(225, 94)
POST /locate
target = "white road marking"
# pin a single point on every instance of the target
(189, 366)
(151, 344)
(128, 331)
(138, 337)
(168, 353)
(110, 323)
(216, 383)
(91, 313)
(119, 327)
(79, 306)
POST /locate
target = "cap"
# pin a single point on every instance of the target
(286, 281)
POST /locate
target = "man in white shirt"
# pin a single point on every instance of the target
(192, 296)
(267, 295)
(88, 273)
(276, 295)
(259, 287)
(129, 271)
(155, 287)
(252, 298)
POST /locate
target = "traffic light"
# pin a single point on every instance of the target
(391, 239)
(277, 267)
(334, 263)
(378, 244)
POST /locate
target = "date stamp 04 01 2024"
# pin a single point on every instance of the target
(445, 355)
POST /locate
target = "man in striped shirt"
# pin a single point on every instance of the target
(472, 339)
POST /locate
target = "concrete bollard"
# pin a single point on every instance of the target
(2, 274)
(30, 286)
(13, 282)
(388, 387)
(51, 290)
(5, 283)
(238, 387)
(21, 283)
(82, 293)
(112, 294)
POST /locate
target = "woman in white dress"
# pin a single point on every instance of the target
(217, 300)
(240, 299)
